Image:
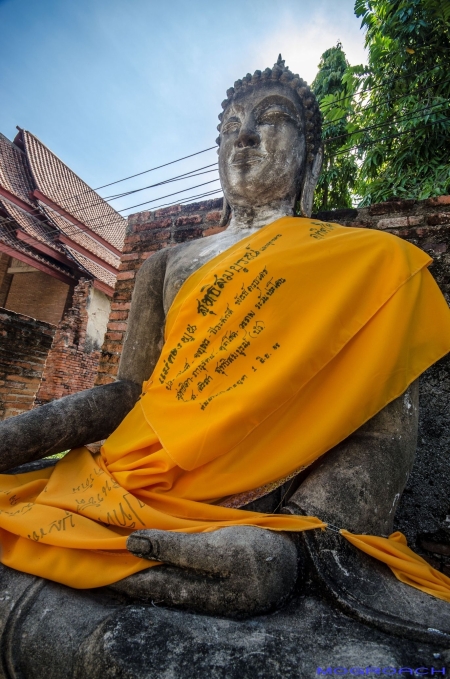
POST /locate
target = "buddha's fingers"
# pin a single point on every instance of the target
(235, 571)
(221, 552)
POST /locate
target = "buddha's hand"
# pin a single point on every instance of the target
(237, 571)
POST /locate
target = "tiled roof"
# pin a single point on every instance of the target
(15, 178)
(82, 238)
(21, 172)
(31, 225)
(10, 240)
(61, 185)
(93, 268)
(14, 173)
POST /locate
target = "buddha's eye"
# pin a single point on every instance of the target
(231, 126)
(273, 116)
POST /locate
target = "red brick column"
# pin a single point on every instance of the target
(70, 366)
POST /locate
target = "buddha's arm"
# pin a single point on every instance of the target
(92, 415)
(357, 485)
(145, 331)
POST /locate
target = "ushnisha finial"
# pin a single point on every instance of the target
(280, 63)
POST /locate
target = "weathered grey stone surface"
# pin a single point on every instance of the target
(54, 632)
(237, 571)
(69, 422)
(424, 508)
(269, 160)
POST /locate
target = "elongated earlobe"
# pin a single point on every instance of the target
(226, 213)
(309, 184)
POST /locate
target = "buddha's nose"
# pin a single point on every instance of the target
(247, 138)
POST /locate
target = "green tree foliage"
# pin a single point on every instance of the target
(339, 170)
(405, 150)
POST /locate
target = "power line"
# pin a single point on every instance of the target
(72, 229)
(213, 147)
(188, 200)
(383, 84)
(390, 136)
(215, 191)
(152, 169)
(367, 108)
(130, 207)
(180, 177)
(185, 175)
(407, 116)
(55, 232)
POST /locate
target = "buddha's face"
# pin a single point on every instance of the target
(262, 147)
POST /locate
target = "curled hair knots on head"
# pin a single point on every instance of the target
(280, 72)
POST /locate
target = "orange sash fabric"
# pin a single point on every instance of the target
(275, 351)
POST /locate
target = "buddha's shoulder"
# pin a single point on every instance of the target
(385, 246)
(381, 238)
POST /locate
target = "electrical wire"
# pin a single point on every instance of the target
(383, 84)
(130, 207)
(407, 116)
(390, 136)
(55, 232)
(152, 169)
(393, 121)
(367, 108)
(186, 175)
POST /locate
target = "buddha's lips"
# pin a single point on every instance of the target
(247, 157)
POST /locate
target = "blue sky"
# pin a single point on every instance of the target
(114, 87)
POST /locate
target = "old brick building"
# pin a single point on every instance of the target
(60, 247)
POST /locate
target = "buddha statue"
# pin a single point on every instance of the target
(270, 156)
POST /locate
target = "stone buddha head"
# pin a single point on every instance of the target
(270, 149)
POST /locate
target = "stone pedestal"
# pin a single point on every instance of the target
(53, 632)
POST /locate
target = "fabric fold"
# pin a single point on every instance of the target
(275, 351)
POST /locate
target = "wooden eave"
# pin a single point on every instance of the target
(76, 222)
(45, 249)
(87, 253)
(17, 254)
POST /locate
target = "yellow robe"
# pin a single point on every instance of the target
(275, 351)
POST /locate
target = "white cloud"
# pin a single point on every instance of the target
(302, 39)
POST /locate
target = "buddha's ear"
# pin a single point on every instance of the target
(226, 213)
(309, 184)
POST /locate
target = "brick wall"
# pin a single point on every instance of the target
(425, 223)
(36, 294)
(148, 232)
(24, 345)
(72, 364)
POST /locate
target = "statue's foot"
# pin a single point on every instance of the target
(368, 590)
(237, 572)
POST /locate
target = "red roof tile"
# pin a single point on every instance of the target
(11, 241)
(78, 236)
(14, 173)
(45, 225)
(94, 269)
(61, 185)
